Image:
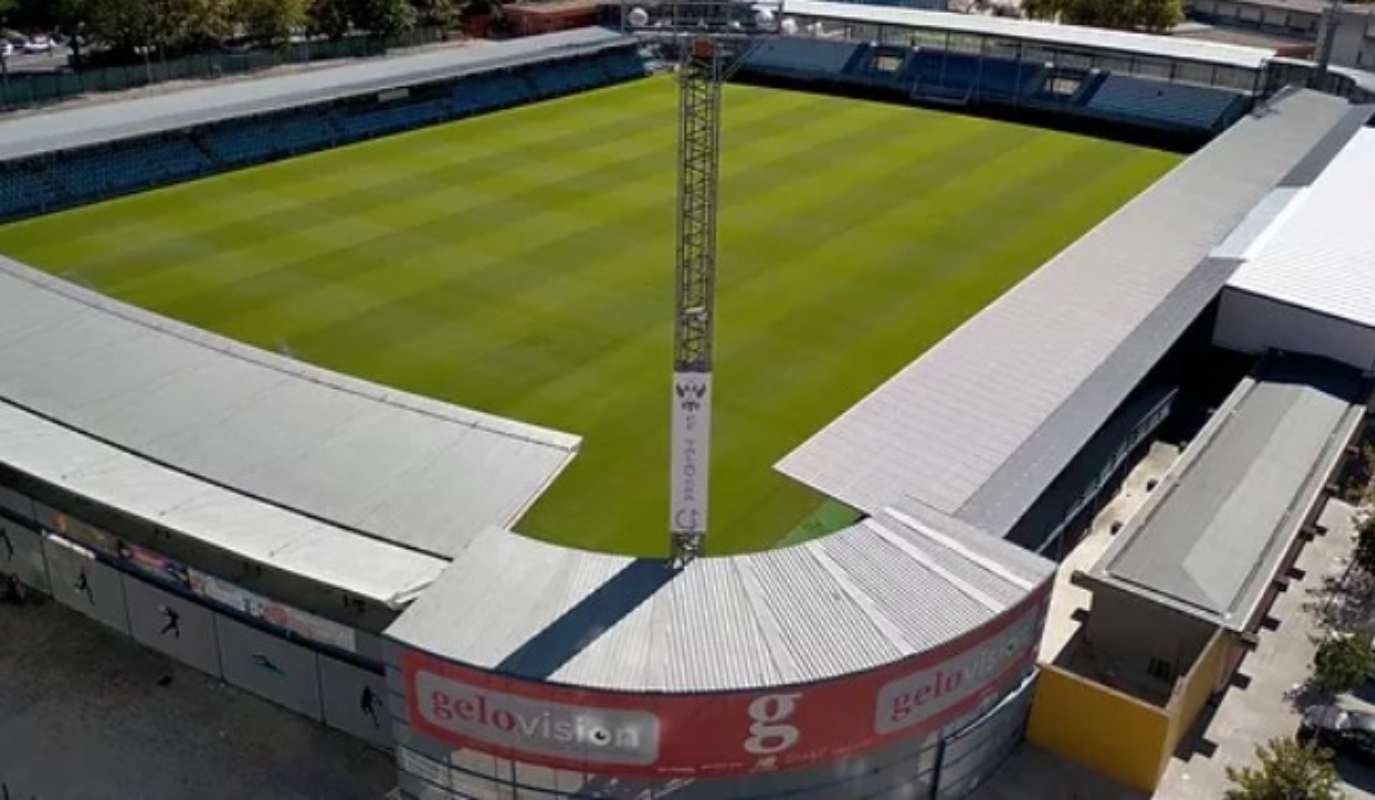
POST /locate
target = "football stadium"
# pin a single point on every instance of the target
(357, 377)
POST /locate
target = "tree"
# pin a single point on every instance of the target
(271, 21)
(72, 17)
(330, 17)
(1150, 15)
(1365, 543)
(383, 17)
(1343, 662)
(436, 13)
(1287, 771)
(124, 26)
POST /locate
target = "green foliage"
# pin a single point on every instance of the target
(384, 17)
(1365, 543)
(1149, 15)
(330, 17)
(442, 14)
(192, 25)
(271, 21)
(1287, 771)
(521, 263)
(1342, 663)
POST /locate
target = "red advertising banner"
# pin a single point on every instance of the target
(727, 733)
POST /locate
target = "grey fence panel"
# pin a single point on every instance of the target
(266, 665)
(172, 624)
(355, 701)
(368, 645)
(16, 503)
(970, 756)
(21, 555)
(82, 583)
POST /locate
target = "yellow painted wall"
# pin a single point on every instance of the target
(1198, 685)
(1101, 728)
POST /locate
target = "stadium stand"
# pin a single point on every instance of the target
(23, 187)
(252, 141)
(66, 177)
(102, 172)
(940, 75)
(804, 58)
(1166, 104)
(391, 119)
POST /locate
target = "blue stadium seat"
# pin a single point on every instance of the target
(803, 58)
(24, 191)
(259, 140)
(99, 173)
(388, 120)
(96, 173)
(565, 77)
(1166, 104)
(622, 65)
(484, 93)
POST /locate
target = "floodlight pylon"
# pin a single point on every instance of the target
(710, 38)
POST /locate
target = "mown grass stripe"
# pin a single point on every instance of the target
(521, 263)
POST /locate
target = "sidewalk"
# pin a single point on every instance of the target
(1265, 701)
(86, 713)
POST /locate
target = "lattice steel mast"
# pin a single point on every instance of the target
(709, 36)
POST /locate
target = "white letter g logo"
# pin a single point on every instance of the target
(767, 734)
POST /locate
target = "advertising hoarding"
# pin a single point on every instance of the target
(726, 733)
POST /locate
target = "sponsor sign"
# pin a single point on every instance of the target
(82, 532)
(724, 733)
(154, 564)
(510, 721)
(689, 452)
(302, 623)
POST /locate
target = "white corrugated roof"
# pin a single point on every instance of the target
(95, 123)
(1320, 255)
(414, 471)
(1143, 44)
(1210, 538)
(979, 425)
(220, 517)
(878, 592)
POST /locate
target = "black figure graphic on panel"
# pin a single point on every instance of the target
(84, 586)
(368, 703)
(266, 663)
(173, 624)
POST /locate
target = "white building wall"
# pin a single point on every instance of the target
(1253, 324)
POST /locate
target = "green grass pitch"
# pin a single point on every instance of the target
(521, 263)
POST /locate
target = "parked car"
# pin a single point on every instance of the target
(39, 44)
(1345, 731)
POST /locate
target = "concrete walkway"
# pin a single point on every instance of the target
(1068, 603)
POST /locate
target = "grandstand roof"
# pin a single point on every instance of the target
(1211, 536)
(1141, 44)
(877, 592)
(122, 118)
(979, 425)
(415, 472)
(1319, 252)
(220, 517)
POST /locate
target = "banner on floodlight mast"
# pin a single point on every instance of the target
(691, 440)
